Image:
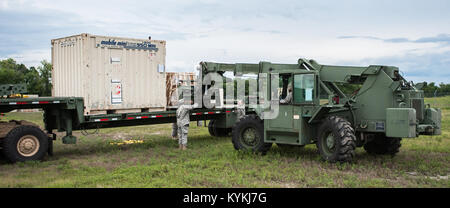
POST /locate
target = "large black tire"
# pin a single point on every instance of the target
(383, 146)
(336, 141)
(217, 132)
(33, 144)
(211, 128)
(244, 129)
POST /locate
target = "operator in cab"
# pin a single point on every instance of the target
(288, 98)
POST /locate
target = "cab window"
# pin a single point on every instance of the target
(304, 88)
(283, 88)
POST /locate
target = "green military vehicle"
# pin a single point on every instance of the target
(385, 109)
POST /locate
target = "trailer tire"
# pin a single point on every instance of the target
(25, 143)
(336, 141)
(221, 132)
(383, 146)
(248, 134)
(211, 128)
(218, 132)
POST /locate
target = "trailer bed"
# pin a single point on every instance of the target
(66, 114)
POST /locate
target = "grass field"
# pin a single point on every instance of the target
(97, 161)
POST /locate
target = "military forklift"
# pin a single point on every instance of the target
(385, 109)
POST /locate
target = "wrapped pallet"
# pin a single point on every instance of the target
(172, 80)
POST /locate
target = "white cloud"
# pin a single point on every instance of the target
(241, 31)
(12, 4)
(30, 57)
(4, 4)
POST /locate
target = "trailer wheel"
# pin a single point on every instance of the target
(248, 134)
(25, 143)
(222, 132)
(211, 128)
(336, 141)
(217, 132)
(383, 146)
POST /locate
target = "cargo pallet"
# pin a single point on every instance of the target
(23, 141)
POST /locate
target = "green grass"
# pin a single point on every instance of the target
(213, 162)
(439, 102)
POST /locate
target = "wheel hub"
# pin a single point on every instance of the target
(330, 141)
(28, 145)
(249, 136)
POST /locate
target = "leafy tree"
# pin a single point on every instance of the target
(33, 81)
(431, 89)
(445, 88)
(8, 64)
(21, 68)
(45, 72)
(9, 73)
(38, 80)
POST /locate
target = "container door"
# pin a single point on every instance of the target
(305, 96)
(284, 119)
(114, 74)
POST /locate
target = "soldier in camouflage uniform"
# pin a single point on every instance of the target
(177, 95)
(183, 122)
(174, 131)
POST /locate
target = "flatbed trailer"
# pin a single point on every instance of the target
(22, 141)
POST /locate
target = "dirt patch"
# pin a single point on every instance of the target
(418, 175)
(439, 177)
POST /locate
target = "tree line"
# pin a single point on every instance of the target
(433, 90)
(37, 79)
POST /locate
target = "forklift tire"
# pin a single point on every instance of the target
(383, 146)
(25, 143)
(248, 134)
(336, 141)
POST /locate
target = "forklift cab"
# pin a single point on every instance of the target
(290, 126)
(303, 88)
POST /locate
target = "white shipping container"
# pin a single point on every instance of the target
(112, 74)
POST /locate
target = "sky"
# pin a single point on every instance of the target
(412, 35)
